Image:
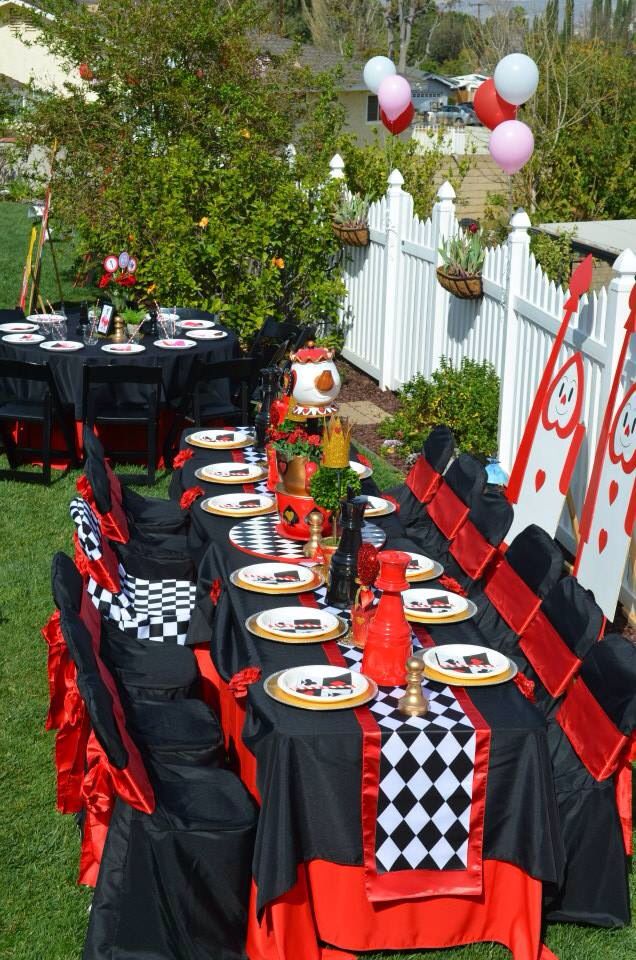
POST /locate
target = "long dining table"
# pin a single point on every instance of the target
(376, 831)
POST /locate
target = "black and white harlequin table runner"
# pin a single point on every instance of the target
(424, 787)
(258, 536)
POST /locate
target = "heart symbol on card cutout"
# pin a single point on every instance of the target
(539, 479)
(613, 491)
(602, 540)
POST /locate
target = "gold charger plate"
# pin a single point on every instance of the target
(314, 584)
(466, 614)
(385, 512)
(238, 513)
(259, 631)
(229, 481)
(437, 571)
(281, 696)
(431, 674)
(220, 446)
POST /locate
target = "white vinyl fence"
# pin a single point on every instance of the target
(403, 321)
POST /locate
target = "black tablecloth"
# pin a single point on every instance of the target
(309, 765)
(67, 367)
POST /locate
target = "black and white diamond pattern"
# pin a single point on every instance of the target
(88, 529)
(258, 536)
(425, 780)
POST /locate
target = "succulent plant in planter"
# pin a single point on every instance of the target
(350, 220)
(463, 260)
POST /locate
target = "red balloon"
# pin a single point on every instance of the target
(490, 107)
(400, 123)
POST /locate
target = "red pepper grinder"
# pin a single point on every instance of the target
(388, 645)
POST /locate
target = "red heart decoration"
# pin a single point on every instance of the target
(602, 540)
(613, 492)
(539, 479)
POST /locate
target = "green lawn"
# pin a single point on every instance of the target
(43, 913)
(15, 230)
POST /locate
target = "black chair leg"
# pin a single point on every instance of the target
(47, 426)
(153, 426)
(10, 446)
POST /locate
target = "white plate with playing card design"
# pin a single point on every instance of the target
(422, 568)
(277, 578)
(207, 334)
(296, 621)
(323, 683)
(62, 346)
(123, 348)
(25, 338)
(433, 605)
(231, 473)
(239, 504)
(19, 327)
(378, 507)
(174, 343)
(466, 660)
(220, 439)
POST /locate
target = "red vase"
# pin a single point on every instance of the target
(388, 645)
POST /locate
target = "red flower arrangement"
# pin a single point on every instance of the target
(189, 496)
(362, 610)
(182, 457)
(120, 272)
(289, 440)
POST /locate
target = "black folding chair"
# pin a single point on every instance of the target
(199, 404)
(100, 405)
(17, 379)
(273, 334)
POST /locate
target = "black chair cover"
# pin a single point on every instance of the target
(466, 477)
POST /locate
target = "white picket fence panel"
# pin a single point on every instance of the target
(403, 322)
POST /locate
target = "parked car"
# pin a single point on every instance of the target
(470, 117)
(447, 114)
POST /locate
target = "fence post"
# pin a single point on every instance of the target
(518, 255)
(618, 292)
(336, 167)
(392, 292)
(444, 226)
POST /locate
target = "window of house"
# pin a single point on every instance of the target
(373, 109)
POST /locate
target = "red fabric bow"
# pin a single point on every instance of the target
(84, 489)
(366, 463)
(215, 591)
(242, 680)
(449, 583)
(181, 457)
(190, 495)
(525, 686)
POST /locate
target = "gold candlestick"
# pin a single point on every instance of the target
(314, 521)
(413, 703)
(119, 330)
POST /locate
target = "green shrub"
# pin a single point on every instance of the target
(466, 399)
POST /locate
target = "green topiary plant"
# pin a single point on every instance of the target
(464, 398)
(328, 486)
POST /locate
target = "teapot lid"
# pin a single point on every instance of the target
(311, 354)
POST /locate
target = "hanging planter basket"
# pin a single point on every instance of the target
(352, 236)
(466, 288)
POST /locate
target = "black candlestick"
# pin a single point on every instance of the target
(344, 563)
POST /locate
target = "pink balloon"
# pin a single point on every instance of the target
(511, 145)
(394, 96)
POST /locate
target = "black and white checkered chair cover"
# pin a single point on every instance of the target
(149, 610)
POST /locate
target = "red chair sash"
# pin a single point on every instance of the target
(92, 620)
(447, 511)
(57, 662)
(471, 550)
(70, 753)
(549, 655)
(116, 492)
(103, 571)
(598, 743)
(422, 480)
(511, 597)
(113, 524)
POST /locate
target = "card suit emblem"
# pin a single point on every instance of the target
(613, 491)
(539, 479)
(602, 540)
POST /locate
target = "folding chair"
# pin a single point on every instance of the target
(195, 406)
(100, 405)
(15, 378)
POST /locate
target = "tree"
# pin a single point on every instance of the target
(176, 148)
(399, 18)
(351, 27)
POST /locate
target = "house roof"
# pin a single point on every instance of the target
(317, 60)
(469, 80)
(21, 4)
(605, 239)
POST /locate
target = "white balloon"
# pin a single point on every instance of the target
(516, 78)
(376, 70)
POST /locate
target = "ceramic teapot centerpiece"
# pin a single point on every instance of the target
(315, 381)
